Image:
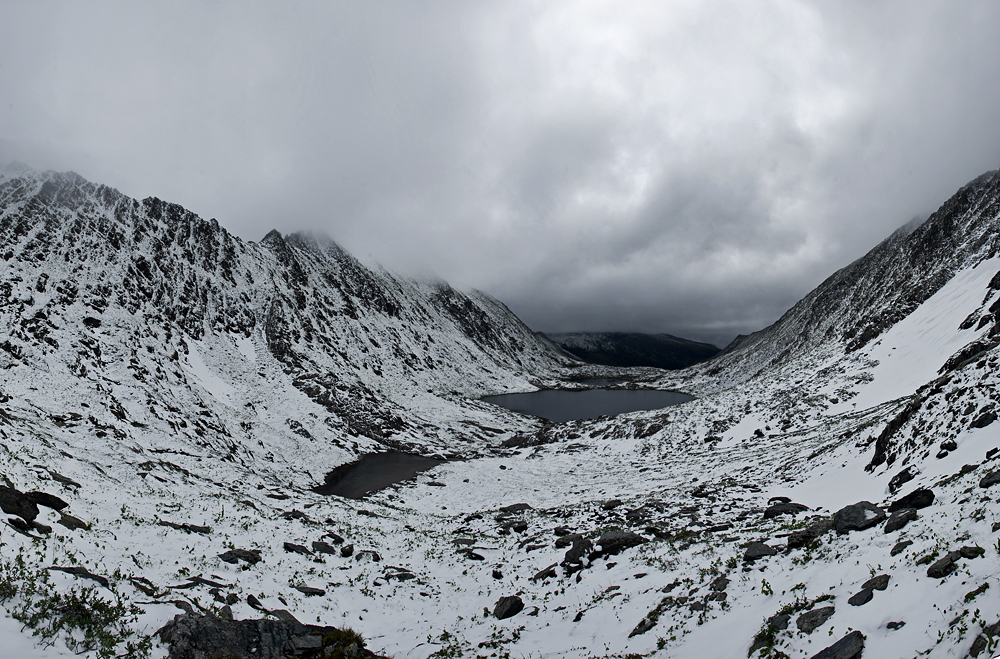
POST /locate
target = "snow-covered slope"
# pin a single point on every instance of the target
(182, 390)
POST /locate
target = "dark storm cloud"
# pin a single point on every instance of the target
(692, 168)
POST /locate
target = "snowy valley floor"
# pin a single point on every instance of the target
(447, 552)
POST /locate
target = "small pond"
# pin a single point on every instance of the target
(559, 405)
(373, 472)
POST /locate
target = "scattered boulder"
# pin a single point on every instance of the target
(719, 583)
(849, 647)
(508, 607)
(944, 566)
(879, 582)
(784, 508)
(804, 537)
(515, 508)
(47, 500)
(293, 548)
(187, 528)
(14, 502)
(309, 591)
(900, 518)
(810, 620)
(774, 500)
(581, 548)
(780, 621)
(896, 624)
(72, 523)
(858, 517)
(471, 555)
(497, 574)
(611, 505)
(899, 547)
(919, 498)
(983, 641)
(615, 542)
(971, 552)
(321, 547)
(862, 597)
(369, 554)
(984, 419)
(234, 556)
(949, 445)
(545, 573)
(196, 636)
(644, 626)
(900, 479)
(758, 550)
(347, 550)
(990, 479)
(567, 540)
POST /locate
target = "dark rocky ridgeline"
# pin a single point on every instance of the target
(633, 349)
(859, 302)
(204, 636)
(78, 254)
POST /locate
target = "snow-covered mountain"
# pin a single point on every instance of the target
(182, 391)
(162, 320)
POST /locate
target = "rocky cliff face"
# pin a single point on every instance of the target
(187, 330)
(858, 303)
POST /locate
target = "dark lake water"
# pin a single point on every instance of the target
(373, 472)
(558, 405)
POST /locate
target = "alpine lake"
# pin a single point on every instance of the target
(375, 471)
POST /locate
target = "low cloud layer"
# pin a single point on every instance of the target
(691, 168)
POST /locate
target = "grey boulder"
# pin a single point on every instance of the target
(858, 517)
(849, 647)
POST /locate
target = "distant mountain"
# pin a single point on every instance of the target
(634, 349)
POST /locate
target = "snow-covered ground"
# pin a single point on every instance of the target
(174, 447)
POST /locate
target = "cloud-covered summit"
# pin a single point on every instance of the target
(691, 169)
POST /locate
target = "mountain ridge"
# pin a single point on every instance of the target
(634, 349)
(182, 392)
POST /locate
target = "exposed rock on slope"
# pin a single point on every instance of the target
(100, 287)
(860, 302)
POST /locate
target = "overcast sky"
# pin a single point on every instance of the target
(684, 167)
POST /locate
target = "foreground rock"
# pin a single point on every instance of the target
(508, 607)
(900, 518)
(757, 550)
(916, 499)
(849, 647)
(14, 502)
(806, 536)
(858, 517)
(810, 620)
(615, 542)
(200, 637)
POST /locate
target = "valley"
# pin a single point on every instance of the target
(184, 393)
